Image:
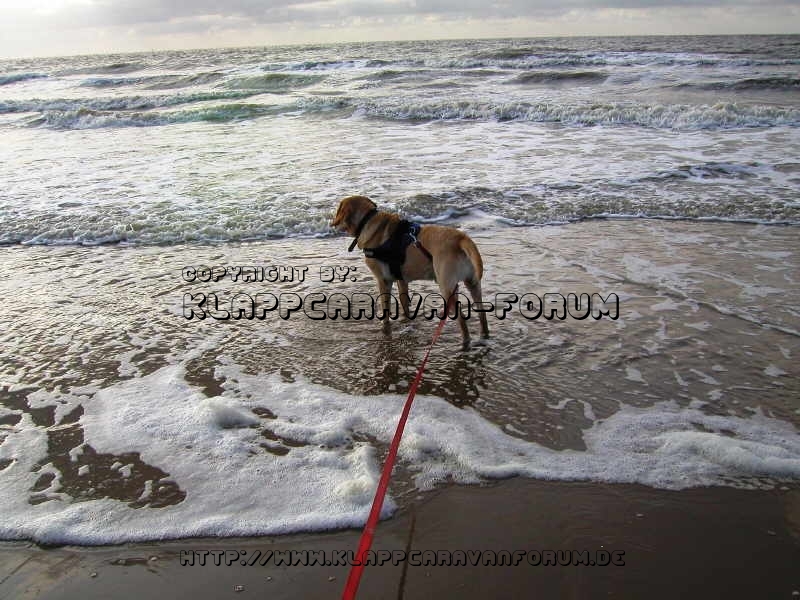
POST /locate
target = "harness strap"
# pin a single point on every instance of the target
(393, 250)
(413, 231)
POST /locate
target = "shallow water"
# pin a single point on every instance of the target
(120, 408)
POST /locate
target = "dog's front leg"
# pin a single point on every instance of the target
(385, 291)
(402, 287)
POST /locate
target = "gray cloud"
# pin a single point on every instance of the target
(89, 26)
(210, 17)
(141, 12)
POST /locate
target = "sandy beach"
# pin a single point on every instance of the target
(702, 543)
(694, 388)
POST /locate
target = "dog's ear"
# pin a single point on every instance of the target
(350, 212)
(337, 218)
(341, 218)
(370, 204)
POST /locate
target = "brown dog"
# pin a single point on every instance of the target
(397, 250)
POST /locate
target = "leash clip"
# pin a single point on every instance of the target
(413, 230)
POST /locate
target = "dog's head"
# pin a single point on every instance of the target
(350, 213)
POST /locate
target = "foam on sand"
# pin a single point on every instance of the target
(271, 456)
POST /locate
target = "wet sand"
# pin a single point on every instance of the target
(700, 543)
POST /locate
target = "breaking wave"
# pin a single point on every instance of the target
(85, 118)
(550, 204)
(9, 78)
(670, 116)
(273, 82)
(75, 113)
(550, 77)
(762, 83)
(123, 103)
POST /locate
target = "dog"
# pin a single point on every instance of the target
(397, 250)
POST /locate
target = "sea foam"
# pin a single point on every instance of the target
(307, 457)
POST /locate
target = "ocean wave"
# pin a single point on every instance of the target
(63, 113)
(531, 63)
(85, 118)
(757, 83)
(105, 69)
(167, 82)
(155, 82)
(9, 78)
(599, 59)
(386, 75)
(711, 170)
(508, 53)
(675, 116)
(82, 224)
(554, 77)
(116, 104)
(273, 82)
(643, 197)
(479, 73)
(326, 65)
(669, 116)
(421, 77)
(110, 82)
(167, 234)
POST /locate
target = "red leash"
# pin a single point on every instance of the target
(351, 587)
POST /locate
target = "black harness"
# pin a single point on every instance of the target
(393, 251)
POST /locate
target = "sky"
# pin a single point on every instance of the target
(63, 27)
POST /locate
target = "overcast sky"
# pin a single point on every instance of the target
(56, 27)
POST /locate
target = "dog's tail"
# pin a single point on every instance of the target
(469, 248)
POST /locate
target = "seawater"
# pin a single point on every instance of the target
(660, 170)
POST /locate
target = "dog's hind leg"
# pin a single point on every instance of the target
(448, 286)
(454, 305)
(474, 288)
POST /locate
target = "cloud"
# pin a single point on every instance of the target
(105, 13)
(48, 27)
